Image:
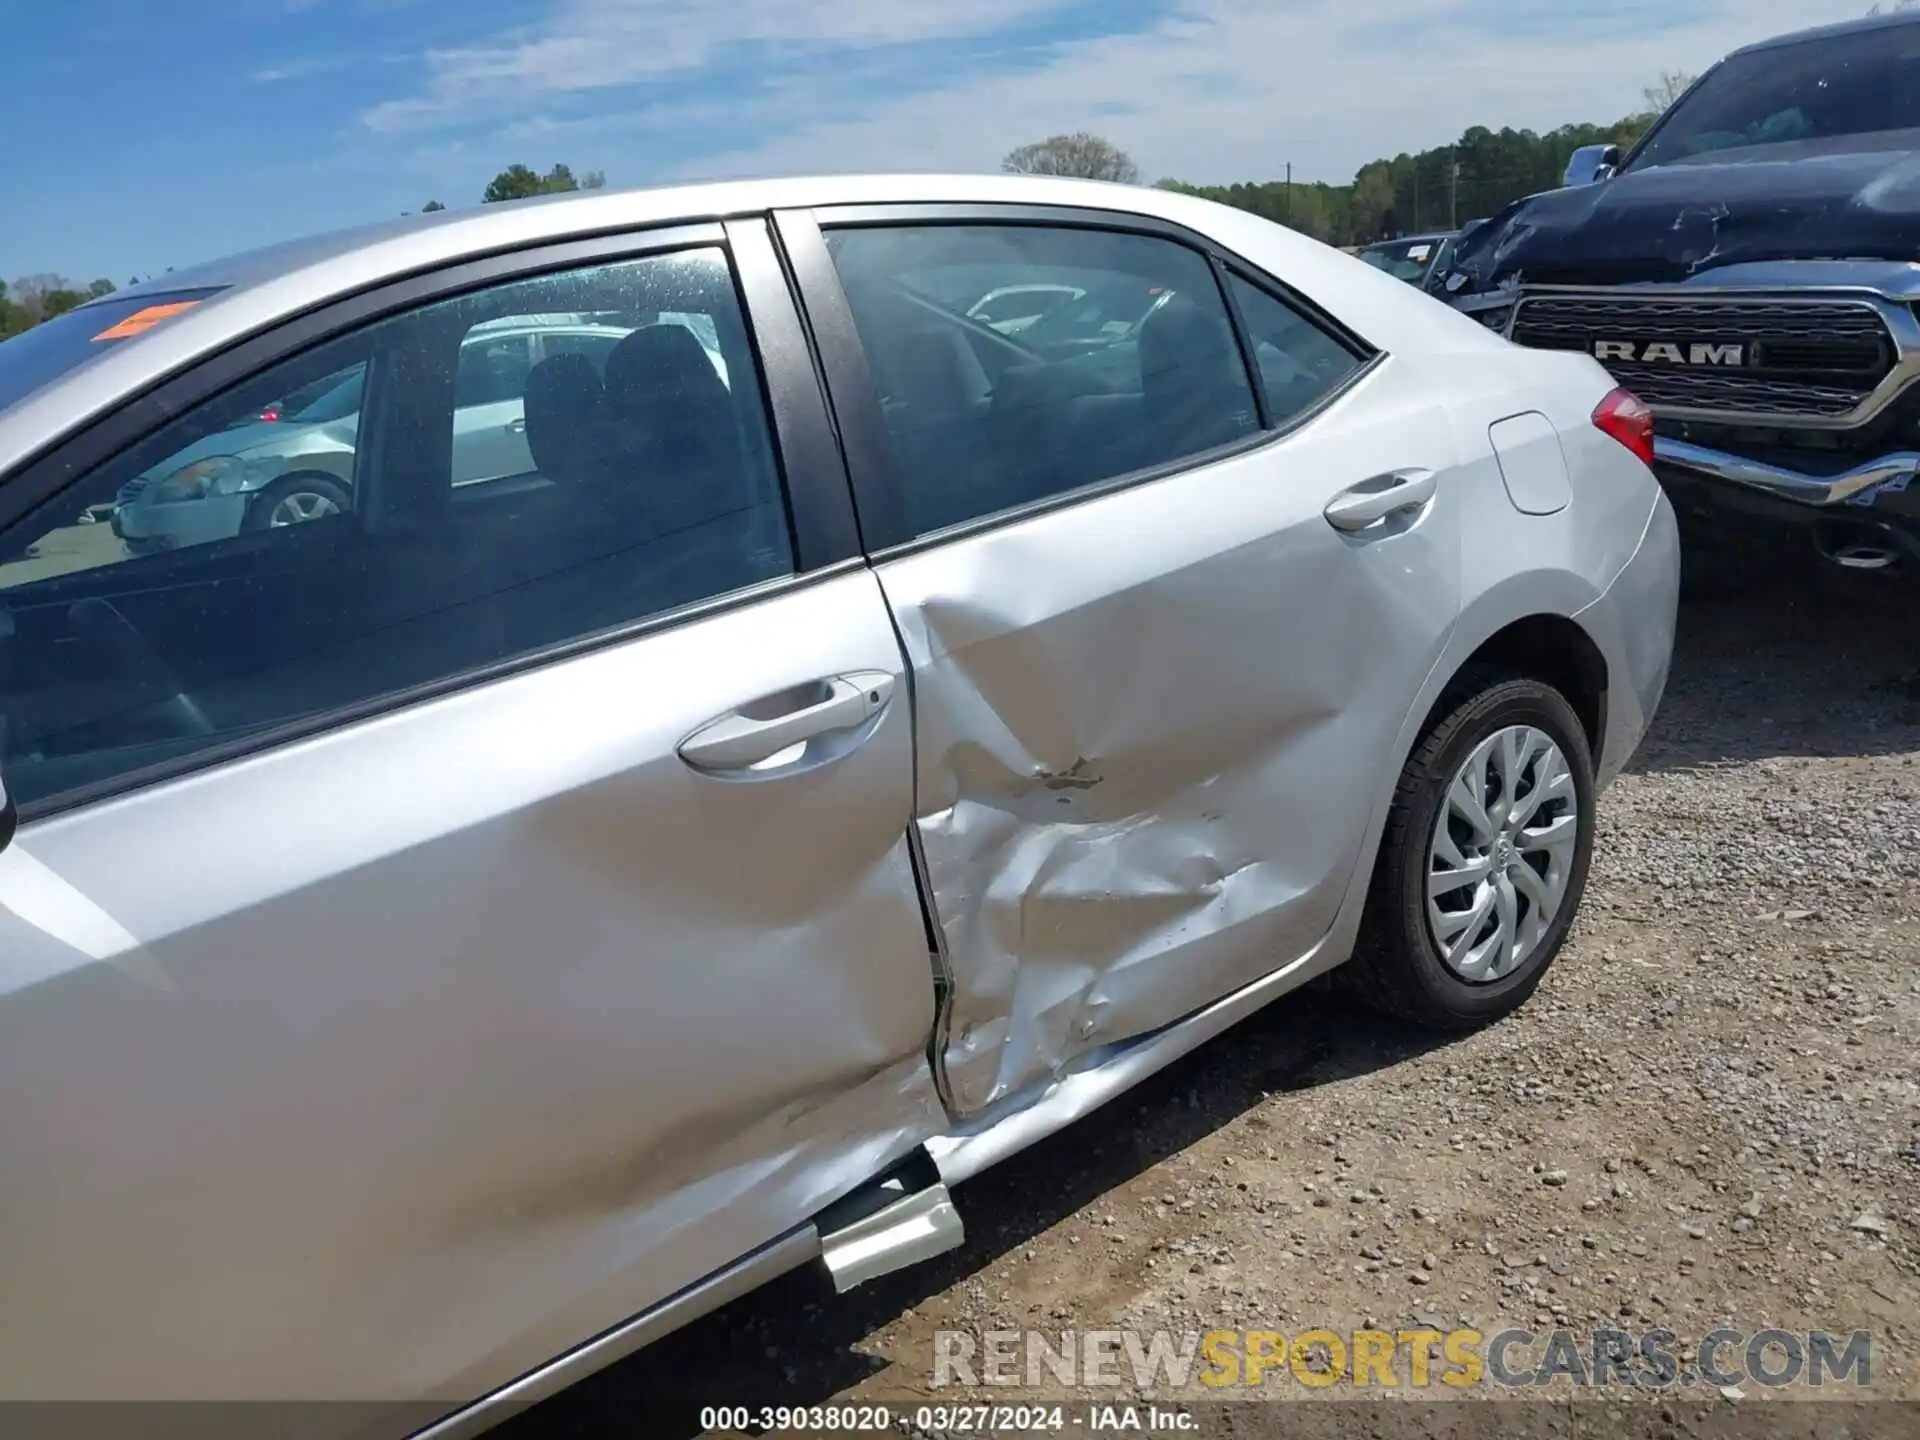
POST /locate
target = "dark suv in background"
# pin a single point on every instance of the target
(1749, 269)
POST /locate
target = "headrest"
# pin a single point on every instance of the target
(562, 406)
(660, 367)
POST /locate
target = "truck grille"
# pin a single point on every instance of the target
(1816, 359)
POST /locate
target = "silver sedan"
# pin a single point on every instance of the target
(447, 943)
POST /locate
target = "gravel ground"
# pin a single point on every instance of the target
(1709, 1114)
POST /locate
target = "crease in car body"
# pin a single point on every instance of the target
(1098, 867)
(673, 1180)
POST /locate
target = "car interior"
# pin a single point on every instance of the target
(663, 491)
(656, 486)
(983, 423)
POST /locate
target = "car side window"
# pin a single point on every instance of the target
(596, 345)
(1299, 361)
(493, 369)
(1016, 362)
(232, 574)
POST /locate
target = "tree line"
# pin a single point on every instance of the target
(33, 298)
(1441, 188)
(1438, 189)
(523, 182)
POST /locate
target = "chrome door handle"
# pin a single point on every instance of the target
(1374, 500)
(761, 730)
(517, 427)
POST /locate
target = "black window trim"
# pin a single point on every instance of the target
(871, 468)
(812, 473)
(1243, 339)
(1370, 357)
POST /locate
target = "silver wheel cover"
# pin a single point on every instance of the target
(298, 506)
(1501, 853)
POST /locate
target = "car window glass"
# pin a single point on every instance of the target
(596, 345)
(35, 359)
(339, 399)
(1120, 358)
(489, 420)
(232, 574)
(1854, 83)
(1299, 361)
(1012, 310)
(493, 369)
(1399, 259)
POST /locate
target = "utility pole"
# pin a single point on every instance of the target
(1453, 190)
(1288, 193)
(1416, 197)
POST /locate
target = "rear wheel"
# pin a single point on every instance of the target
(1484, 858)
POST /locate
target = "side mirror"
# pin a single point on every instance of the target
(1590, 163)
(9, 816)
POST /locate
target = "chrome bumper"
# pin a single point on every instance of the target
(1858, 486)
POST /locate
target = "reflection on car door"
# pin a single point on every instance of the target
(489, 418)
(1151, 723)
(481, 1025)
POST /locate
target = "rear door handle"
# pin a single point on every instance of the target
(761, 730)
(517, 427)
(1374, 500)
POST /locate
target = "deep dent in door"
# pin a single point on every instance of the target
(1079, 827)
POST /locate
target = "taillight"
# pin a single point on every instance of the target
(1625, 416)
(269, 415)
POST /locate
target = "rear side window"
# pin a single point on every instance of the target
(1300, 363)
(232, 573)
(1018, 362)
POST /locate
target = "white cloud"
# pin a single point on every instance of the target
(600, 44)
(1219, 90)
(1237, 89)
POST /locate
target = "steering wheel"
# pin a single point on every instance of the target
(99, 621)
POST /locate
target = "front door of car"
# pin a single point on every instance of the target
(438, 933)
(1156, 684)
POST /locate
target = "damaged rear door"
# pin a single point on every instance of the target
(1162, 622)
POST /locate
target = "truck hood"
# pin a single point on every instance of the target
(1852, 198)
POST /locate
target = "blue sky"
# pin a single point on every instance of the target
(141, 134)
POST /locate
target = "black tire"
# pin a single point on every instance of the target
(260, 512)
(1397, 966)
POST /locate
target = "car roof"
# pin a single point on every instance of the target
(1427, 236)
(450, 234)
(1890, 21)
(263, 288)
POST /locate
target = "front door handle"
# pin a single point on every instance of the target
(761, 730)
(517, 427)
(1372, 501)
